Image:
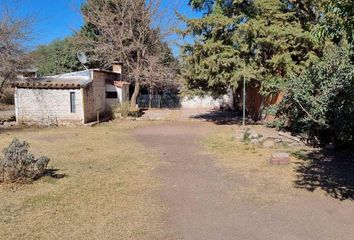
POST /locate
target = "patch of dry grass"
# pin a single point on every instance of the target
(108, 192)
(264, 183)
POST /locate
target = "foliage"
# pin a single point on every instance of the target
(337, 22)
(125, 110)
(58, 57)
(320, 103)
(265, 41)
(20, 165)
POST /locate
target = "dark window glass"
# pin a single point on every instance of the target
(72, 102)
(112, 95)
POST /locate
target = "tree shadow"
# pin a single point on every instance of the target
(332, 172)
(222, 117)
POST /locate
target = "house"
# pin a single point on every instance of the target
(71, 98)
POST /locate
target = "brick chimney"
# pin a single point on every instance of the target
(117, 67)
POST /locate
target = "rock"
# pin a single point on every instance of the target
(255, 142)
(268, 144)
(280, 158)
(254, 136)
(9, 124)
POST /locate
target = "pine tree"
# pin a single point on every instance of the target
(272, 38)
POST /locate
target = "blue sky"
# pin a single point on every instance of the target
(57, 19)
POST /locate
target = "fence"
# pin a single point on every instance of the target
(159, 101)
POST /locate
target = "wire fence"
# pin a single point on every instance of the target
(159, 101)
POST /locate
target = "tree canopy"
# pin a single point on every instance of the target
(58, 57)
(123, 30)
(14, 33)
(337, 22)
(271, 38)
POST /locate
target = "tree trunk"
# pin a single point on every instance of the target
(135, 95)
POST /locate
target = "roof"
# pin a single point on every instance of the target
(73, 80)
(54, 83)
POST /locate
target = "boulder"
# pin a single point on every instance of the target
(280, 158)
(255, 142)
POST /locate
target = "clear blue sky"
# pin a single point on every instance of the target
(60, 18)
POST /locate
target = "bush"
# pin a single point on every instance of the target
(18, 165)
(7, 97)
(125, 110)
(320, 103)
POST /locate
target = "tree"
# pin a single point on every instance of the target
(211, 62)
(58, 57)
(123, 30)
(14, 32)
(320, 102)
(337, 22)
(265, 40)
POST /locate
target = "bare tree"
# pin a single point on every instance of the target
(123, 30)
(14, 33)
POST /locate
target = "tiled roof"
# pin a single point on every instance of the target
(53, 83)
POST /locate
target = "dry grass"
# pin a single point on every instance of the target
(108, 192)
(264, 183)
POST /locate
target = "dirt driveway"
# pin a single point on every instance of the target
(200, 204)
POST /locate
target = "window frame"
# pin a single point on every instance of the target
(72, 102)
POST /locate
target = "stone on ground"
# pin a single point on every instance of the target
(280, 158)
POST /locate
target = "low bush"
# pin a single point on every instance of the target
(125, 110)
(18, 165)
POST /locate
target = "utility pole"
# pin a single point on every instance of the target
(244, 98)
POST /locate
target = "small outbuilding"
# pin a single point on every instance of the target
(71, 98)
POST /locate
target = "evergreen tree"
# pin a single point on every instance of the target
(57, 57)
(272, 38)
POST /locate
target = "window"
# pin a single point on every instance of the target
(111, 95)
(72, 103)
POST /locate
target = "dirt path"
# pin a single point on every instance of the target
(198, 195)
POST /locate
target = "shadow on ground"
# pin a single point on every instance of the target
(53, 173)
(332, 172)
(220, 117)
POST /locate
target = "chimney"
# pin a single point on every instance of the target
(117, 67)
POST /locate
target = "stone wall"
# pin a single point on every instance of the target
(48, 106)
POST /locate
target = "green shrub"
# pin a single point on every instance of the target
(320, 102)
(18, 165)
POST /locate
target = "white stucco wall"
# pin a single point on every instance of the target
(48, 106)
(207, 102)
